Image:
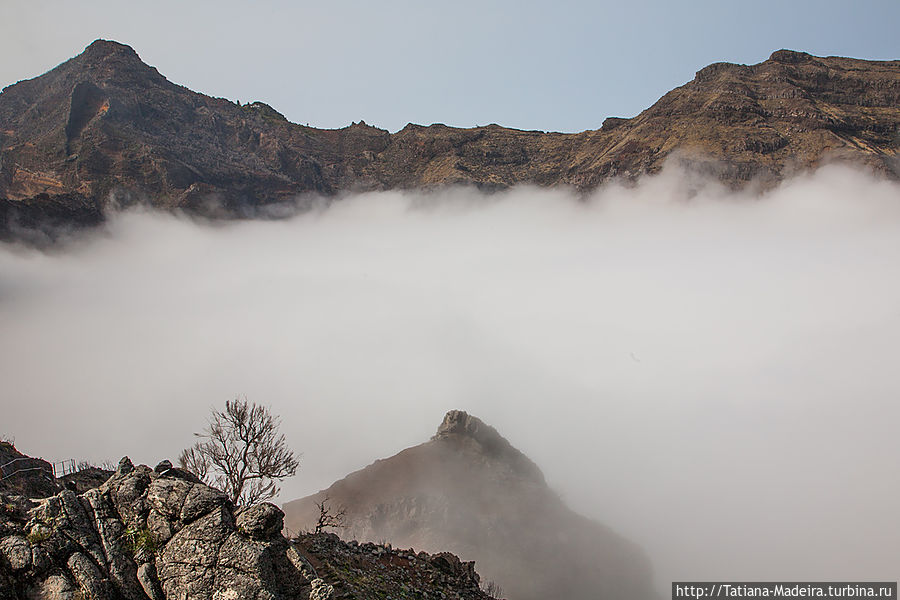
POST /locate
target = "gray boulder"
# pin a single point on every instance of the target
(261, 521)
(201, 499)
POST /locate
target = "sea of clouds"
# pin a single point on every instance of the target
(713, 374)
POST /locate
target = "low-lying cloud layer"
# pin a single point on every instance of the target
(713, 375)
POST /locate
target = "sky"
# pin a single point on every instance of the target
(714, 376)
(552, 66)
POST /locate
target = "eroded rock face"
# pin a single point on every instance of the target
(148, 535)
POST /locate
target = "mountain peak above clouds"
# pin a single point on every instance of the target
(469, 491)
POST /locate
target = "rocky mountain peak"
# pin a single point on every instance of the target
(109, 61)
(106, 60)
(468, 490)
(462, 423)
(790, 57)
(104, 48)
(471, 433)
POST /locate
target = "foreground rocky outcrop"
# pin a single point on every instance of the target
(146, 534)
(161, 534)
(469, 491)
(104, 130)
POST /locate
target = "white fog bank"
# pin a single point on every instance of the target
(715, 377)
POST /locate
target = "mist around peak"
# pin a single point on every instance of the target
(710, 374)
(468, 490)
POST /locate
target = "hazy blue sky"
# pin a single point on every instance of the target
(561, 66)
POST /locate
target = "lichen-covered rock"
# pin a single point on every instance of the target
(187, 564)
(66, 512)
(115, 540)
(159, 527)
(261, 521)
(196, 545)
(92, 583)
(201, 499)
(16, 551)
(211, 558)
(167, 496)
(242, 554)
(128, 492)
(146, 575)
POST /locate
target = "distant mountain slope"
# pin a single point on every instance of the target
(471, 492)
(105, 129)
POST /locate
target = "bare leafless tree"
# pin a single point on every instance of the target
(241, 453)
(328, 518)
(195, 461)
(492, 589)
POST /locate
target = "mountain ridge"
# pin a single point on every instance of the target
(104, 130)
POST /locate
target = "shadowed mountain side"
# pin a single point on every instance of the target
(468, 490)
(104, 130)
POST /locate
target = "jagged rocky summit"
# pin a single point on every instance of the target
(104, 130)
(161, 534)
(469, 491)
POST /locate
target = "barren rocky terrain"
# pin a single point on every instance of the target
(104, 130)
(151, 534)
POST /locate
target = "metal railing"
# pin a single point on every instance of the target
(11, 468)
(55, 470)
(63, 468)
